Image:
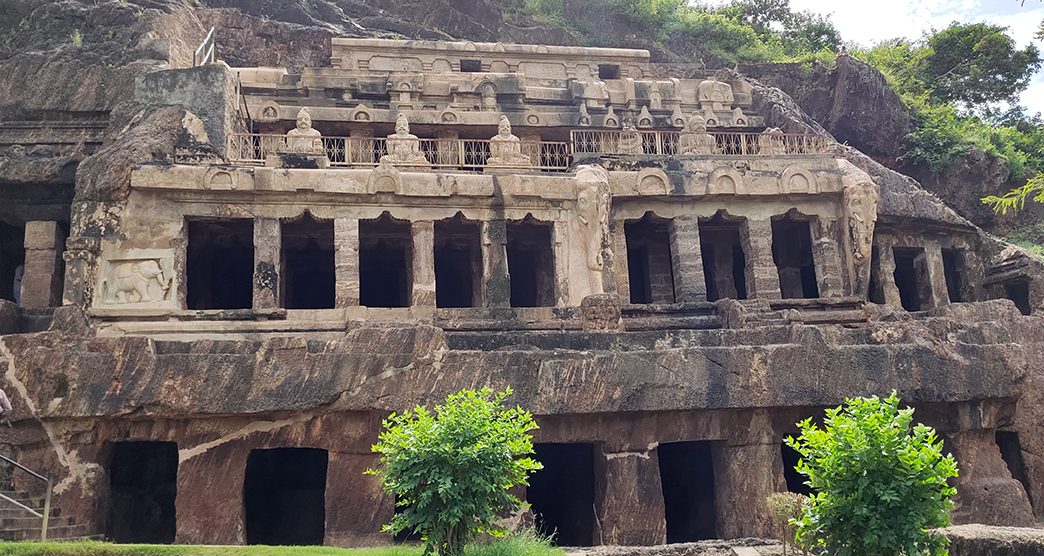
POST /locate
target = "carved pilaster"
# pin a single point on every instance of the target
(346, 262)
(762, 276)
(81, 256)
(267, 244)
(686, 259)
(424, 263)
(496, 282)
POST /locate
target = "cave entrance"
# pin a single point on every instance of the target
(220, 264)
(562, 493)
(1011, 453)
(792, 253)
(458, 262)
(649, 269)
(385, 259)
(143, 480)
(308, 276)
(724, 261)
(687, 479)
(1018, 292)
(284, 496)
(530, 263)
(911, 277)
(795, 481)
(12, 261)
(954, 269)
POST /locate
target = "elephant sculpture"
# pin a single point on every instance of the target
(136, 282)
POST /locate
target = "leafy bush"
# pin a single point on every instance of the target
(880, 481)
(786, 509)
(451, 469)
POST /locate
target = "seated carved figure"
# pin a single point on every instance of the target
(304, 139)
(772, 142)
(630, 140)
(403, 146)
(694, 139)
(505, 149)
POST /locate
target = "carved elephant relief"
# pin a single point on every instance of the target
(136, 281)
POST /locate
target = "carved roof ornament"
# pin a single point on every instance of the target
(677, 117)
(611, 120)
(712, 94)
(584, 118)
(645, 119)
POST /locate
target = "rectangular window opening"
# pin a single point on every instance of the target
(385, 263)
(724, 261)
(471, 66)
(12, 261)
(530, 264)
(142, 490)
(1019, 293)
(954, 269)
(284, 496)
(458, 263)
(911, 277)
(308, 276)
(562, 494)
(792, 253)
(220, 264)
(649, 268)
(687, 479)
(608, 71)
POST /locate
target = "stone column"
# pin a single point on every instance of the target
(828, 267)
(620, 269)
(209, 504)
(560, 244)
(744, 475)
(423, 263)
(267, 247)
(80, 257)
(496, 283)
(986, 491)
(356, 505)
(936, 274)
(630, 506)
(346, 262)
(886, 275)
(762, 276)
(724, 279)
(686, 259)
(42, 277)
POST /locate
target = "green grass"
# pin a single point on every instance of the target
(521, 545)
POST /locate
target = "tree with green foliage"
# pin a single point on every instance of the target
(880, 482)
(452, 469)
(1015, 199)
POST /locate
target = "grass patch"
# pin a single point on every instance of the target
(516, 545)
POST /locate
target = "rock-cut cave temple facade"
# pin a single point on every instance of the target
(669, 271)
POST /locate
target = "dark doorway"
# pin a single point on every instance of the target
(458, 262)
(792, 253)
(530, 263)
(953, 268)
(1018, 292)
(284, 495)
(724, 262)
(12, 261)
(143, 480)
(649, 268)
(795, 480)
(220, 264)
(911, 277)
(308, 276)
(562, 493)
(875, 293)
(687, 478)
(1011, 453)
(608, 71)
(385, 262)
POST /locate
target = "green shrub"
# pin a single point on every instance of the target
(880, 481)
(452, 469)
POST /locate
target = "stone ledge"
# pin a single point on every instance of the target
(986, 540)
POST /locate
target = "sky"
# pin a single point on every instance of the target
(866, 22)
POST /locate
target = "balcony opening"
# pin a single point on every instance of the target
(1019, 292)
(724, 261)
(1011, 453)
(458, 262)
(530, 263)
(220, 264)
(12, 261)
(795, 481)
(911, 277)
(954, 269)
(143, 480)
(792, 253)
(649, 269)
(385, 262)
(687, 479)
(284, 496)
(562, 493)
(471, 66)
(875, 289)
(308, 276)
(608, 71)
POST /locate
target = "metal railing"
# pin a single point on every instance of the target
(595, 141)
(463, 154)
(46, 515)
(207, 51)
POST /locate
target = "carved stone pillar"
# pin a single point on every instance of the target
(828, 267)
(560, 244)
(496, 282)
(630, 506)
(423, 263)
(886, 275)
(986, 491)
(42, 277)
(686, 259)
(936, 274)
(346, 262)
(357, 523)
(209, 504)
(80, 256)
(620, 267)
(762, 276)
(267, 246)
(744, 475)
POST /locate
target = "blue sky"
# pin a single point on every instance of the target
(866, 22)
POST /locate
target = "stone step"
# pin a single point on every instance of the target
(58, 532)
(28, 522)
(9, 510)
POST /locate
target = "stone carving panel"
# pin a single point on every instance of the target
(138, 278)
(590, 232)
(860, 200)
